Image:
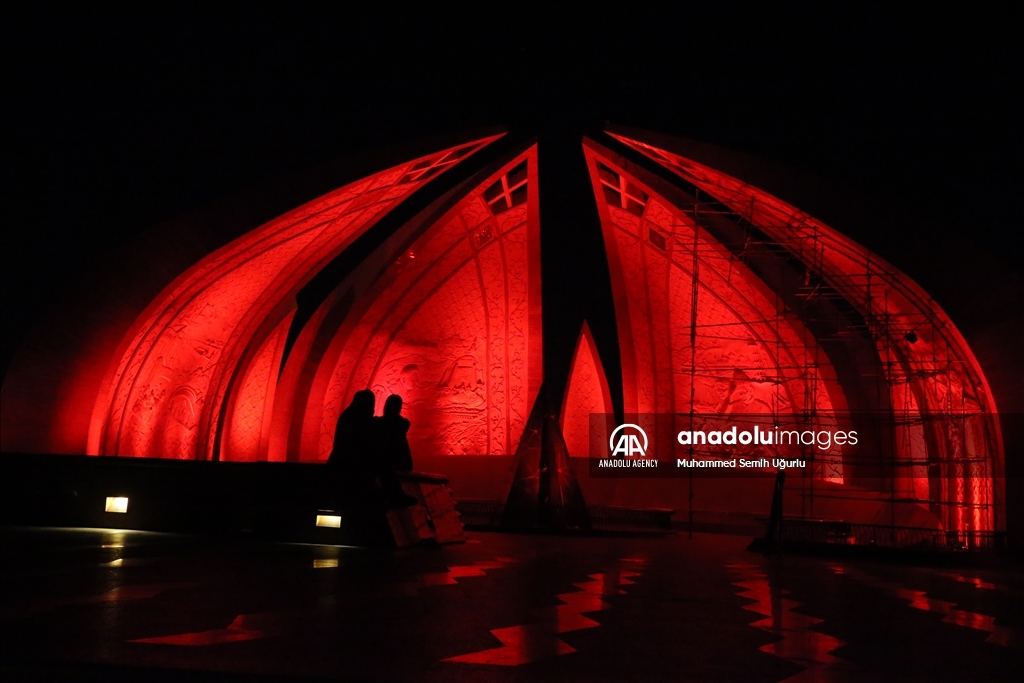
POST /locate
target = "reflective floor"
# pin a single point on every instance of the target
(118, 606)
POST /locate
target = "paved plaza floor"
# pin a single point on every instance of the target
(117, 606)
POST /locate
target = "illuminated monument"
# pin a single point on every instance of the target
(220, 338)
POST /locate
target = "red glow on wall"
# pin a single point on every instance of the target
(248, 429)
(452, 323)
(697, 329)
(948, 446)
(586, 392)
(453, 327)
(180, 362)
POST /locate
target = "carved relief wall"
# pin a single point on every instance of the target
(247, 432)
(454, 326)
(182, 359)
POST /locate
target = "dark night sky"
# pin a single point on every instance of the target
(117, 118)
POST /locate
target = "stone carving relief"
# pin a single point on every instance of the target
(191, 340)
(449, 331)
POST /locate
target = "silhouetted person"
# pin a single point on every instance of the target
(392, 429)
(392, 452)
(353, 435)
(351, 460)
(357, 459)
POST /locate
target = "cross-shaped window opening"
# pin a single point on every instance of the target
(620, 192)
(422, 170)
(509, 191)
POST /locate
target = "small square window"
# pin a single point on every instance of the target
(493, 191)
(634, 207)
(656, 238)
(517, 175)
(519, 195)
(636, 193)
(607, 175)
(500, 205)
(612, 196)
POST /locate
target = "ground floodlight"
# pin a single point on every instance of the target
(333, 521)
(330, 563)
(116, 504)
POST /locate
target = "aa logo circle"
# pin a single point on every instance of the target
(628, 440)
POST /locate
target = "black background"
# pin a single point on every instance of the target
(116, 117)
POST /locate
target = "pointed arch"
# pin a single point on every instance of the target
(698, 331)
(247, 430)
(453, 325)
(586, 393)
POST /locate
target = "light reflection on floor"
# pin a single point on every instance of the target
(243, 627)
(495, 610)
(981, 583)
(237, 630)
(537, 641)
(453, 574)
(999, 635)
(798, 644)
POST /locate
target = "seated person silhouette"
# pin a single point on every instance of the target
(357, 457)
(353, 435)
(392, 429)
(393, 451)
(353, 442)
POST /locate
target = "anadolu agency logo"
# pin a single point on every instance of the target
(715, 444)
(628, 441)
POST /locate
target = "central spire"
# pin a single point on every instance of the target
(574, 264)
